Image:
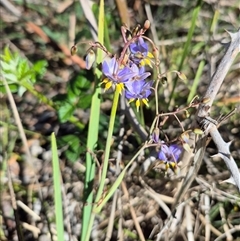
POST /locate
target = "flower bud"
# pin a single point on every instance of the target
(146, 25)
(155, 135)
(182, 76)
(198, 131)
(74, 50)
(164, 80)
(206, 100)
(187, 114)
(185, 137)
(90, 59)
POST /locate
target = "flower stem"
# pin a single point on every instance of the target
(98, 206)
(108, 145)
(105, 163)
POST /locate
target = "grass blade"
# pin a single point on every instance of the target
(87, 219)
(196, 81)
(187, 44)
(57, 190)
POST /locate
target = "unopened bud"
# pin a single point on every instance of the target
(74, 50)
(185, 137)
(187, 114)
(164, 80)
(198, 131)
(206, 100)
(182, 76)
(155, 135)
(90, 59)
(146, 25)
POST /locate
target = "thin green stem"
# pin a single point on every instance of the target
(108, 146)
(88, 216)
(98, 206)
(50, 103)
(90, 224)
(196, 81)
(40, 96)
(12, 127)
(57, 190)
(90, 165)
(105, 165)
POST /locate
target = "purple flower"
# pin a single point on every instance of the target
(139, 52)
(138, 90)
(140, 73)
(170, 154)
(139, 47)
(116, 74)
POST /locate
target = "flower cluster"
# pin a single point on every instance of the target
(128, 72)
(168, 154)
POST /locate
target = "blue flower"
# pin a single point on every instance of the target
(140, 73)
(170, 154)
(138, 90)
(116, 74)
(139, 53)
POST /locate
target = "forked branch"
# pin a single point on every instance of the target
(210, 126)
(204, 108)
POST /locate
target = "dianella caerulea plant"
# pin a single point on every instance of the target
(130, 75)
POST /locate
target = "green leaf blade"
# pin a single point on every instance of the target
(57, 183)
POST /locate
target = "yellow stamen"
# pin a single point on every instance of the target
(173, 165)
(145, 101)
(131, 100)
(148, 62)
(108, 85)
(120, 87)
(142, 63)
(138, 103)
(106, 80)
(150, 55)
